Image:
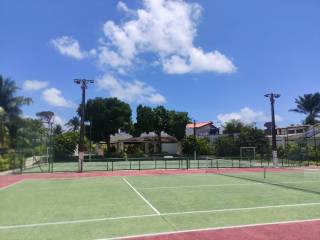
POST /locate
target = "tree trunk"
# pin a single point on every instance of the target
(159, 142)
(108, 142)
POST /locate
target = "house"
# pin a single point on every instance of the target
(146, 142)
(293, 130)
(203, 129)
(294, 133)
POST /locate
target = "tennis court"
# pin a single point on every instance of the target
(135, 203)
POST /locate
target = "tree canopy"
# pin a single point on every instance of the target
(159, 120)
(107, 116)
(11, 106)
(241, 135)
(308, 104)
(73, 124)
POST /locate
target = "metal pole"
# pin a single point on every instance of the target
(84, 84)
(272, 97)
(90, 141)
(81, 145)
(195, 138)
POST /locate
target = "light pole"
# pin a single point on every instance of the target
(84, 85)
(195, 140)
(272, 97)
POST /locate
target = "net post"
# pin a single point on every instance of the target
(264, 172)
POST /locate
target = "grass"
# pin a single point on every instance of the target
(184, 201)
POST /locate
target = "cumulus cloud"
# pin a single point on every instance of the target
(135, 91)
(166, 28)
(69, 46)
(54, 97)
(247, 115)
(33, 85)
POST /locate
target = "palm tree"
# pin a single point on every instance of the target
(308, 104)
(73, 124)
(11, 105)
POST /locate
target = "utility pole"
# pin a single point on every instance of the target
(84, 85)
(195, 139)
(272, 97)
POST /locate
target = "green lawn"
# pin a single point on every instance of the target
(96, 208)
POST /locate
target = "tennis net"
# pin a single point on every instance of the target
(304, 179)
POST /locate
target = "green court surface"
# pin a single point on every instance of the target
(106, 207)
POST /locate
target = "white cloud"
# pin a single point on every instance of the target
(70, 47)
(33, 85)
(247, 115)
(58, 120)
(135, 91)
(54, 97)
(166, 28)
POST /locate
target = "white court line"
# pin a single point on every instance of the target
(142, 197)
(155, 215)
(204, 185)
(12, 184)
(212, 229)
(75, 221)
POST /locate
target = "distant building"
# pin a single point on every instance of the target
(148, 143)
(203, 129)
(295, 133)
(293, 130)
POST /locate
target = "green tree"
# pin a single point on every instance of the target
(152, 120)
(308, 104)
(201, 145)
(73, 124)
(45, 116)
(11, 105)
(145, 120)
(241, 135)
(160, 120)
(107, 116)
(227, 146)
(65, 144)
(177, 124)
(233, 127)
(57, 129)
(160, 124)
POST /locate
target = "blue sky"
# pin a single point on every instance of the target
(214, 59)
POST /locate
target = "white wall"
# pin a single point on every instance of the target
(171, 148)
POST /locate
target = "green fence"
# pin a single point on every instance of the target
(70, 164)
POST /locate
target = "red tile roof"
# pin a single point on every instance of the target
(199, 124)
